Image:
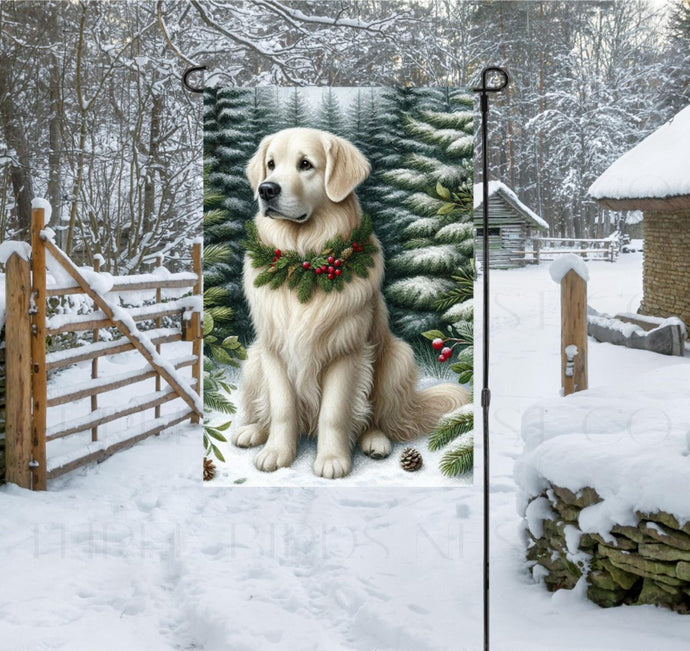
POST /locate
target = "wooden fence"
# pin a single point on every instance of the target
(29, 431)
(548, 248)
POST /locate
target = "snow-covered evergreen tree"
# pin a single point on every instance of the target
(265, 116)
(228, 203)
(330, 117)
(389, 145)
(295, 112)
(438, 240)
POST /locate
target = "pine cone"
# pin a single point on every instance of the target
(209, 469)
(411, 459)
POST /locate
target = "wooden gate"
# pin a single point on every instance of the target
(29, 430)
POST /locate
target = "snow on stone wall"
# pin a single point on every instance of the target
(666, 271)
(602, 481)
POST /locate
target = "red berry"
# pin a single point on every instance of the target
(447, 351)
(338, 272)
(442, 358)
(306, 265)
(437, 344)
(330, 276)
(331, 259)
(324, 268)
(338, 262)
(318, 271)
(331, 270)
(355, 245)
(278, 253)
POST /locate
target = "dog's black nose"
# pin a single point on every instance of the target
(268, 191)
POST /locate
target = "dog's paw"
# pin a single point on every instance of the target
(271, 458)
(249, 436)
(375, 444)
(332, 466)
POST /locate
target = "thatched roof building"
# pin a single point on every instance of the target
(654, 177)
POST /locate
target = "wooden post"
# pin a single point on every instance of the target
(535, 244)
(38, 351)
(94, 362)
(159, 296)
(573, 333)
(18, 368)
(197, 345)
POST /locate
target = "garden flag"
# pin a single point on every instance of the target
(338, 274)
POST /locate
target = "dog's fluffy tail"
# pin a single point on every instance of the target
(400, 411)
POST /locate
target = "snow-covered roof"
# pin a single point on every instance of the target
(497, 187)
(657, 168)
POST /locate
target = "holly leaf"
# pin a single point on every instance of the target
(445, 209)
(433, 334)
(442, 192)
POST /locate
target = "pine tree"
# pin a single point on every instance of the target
(295, 112)
(389, 146)
(363, 125)
(330, 116)
(228, 201)
(264, 117)
(438, 240)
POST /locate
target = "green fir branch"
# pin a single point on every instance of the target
(459, 460)
(451, 427)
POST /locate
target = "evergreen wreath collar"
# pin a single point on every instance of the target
(330, 269)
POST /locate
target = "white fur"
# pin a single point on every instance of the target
(330, 367)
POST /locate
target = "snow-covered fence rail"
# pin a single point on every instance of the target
(31, 460)
(548, 248)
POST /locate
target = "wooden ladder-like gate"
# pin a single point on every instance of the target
(28, 430)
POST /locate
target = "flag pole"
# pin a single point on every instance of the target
(494, 80)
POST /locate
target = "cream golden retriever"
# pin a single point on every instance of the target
(329, 367)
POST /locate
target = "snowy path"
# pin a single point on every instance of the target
(136, 554)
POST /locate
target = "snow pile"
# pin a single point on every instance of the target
(656, 168)
(8, 247)
(38, 203)
(560, 267)
(497, 187)
(627, 441)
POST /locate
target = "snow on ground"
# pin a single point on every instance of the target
(526, 368)
(136, 554)
(239, 465)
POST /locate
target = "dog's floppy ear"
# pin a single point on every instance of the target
(346, 167)
(256, 167)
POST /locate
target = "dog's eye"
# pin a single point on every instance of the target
(305, 164)
(271, 165)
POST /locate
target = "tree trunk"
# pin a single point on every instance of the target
(15, 137)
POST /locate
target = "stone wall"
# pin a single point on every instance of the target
(666, 271)
(645, 564)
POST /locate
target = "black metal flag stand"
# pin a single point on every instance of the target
(494, 80)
